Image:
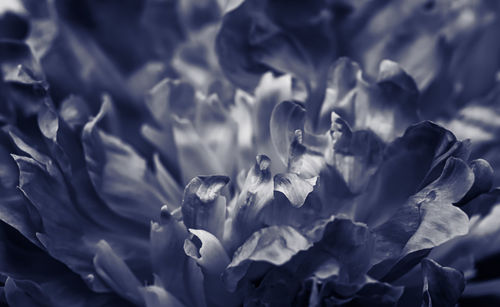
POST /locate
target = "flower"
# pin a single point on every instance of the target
(301, 181)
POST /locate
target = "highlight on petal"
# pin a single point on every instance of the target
(212, 256)
(293, 187)
(218, 131)
(203, 207)
(195, 158)
(255, 195)
(356, 155)
(156, 296)
(305, 160)
(274, 245)
(75, 112)
(135, 206)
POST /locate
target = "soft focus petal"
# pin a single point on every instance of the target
(115, 273)
(125, 190)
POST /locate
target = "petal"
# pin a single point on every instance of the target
(218, 131)
(256, 194)
(62, 142)
(195, 158)
(422, 152)
(483, 180)
(304, 160)
(15, 210)
(116, 274)
(287, 117)
(75, 112)
(270, 92)
(212, 256)
(213, 260)
(155, 296)
(202, 205)
(350, 244)
(70, 230)
(277, 288)
(162, 101)
(173, 191)
(179, 274)
(443, 286)
(387, 107)
(18, 297)
(274, 245)
(131, 192)
(427, 220)
(24, 87)
(61, 224)
(356, 155)
(294, 188)
(231, 46)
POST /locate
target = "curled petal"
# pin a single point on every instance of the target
(293, 187)
(287, 117)
(178, 273)
(356, 155)
(213, 259)
(256, 194)
(302, 160)
(387, 107)
(483, 180)
(212, 256)
(202, 206)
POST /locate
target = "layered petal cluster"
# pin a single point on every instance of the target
(228, 153)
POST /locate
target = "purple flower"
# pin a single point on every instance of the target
(137, 174)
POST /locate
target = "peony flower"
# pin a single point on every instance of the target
(146, 178)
